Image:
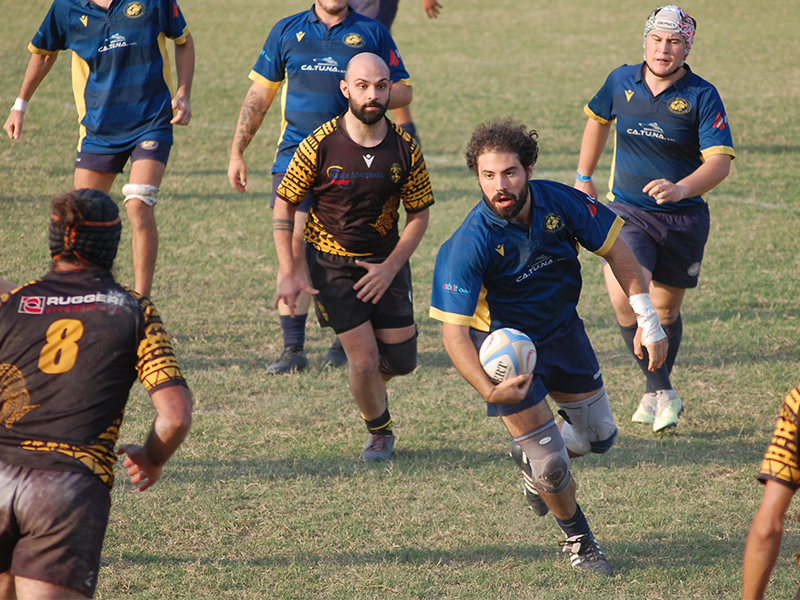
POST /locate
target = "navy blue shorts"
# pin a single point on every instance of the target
(304, 206)
(565, 362)
(668, 244)
(114, 163)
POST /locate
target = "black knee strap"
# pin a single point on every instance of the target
(398, 359)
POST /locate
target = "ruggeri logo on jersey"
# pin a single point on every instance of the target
(651, 130)
(115, 42)
(451, 287)
(327, 64)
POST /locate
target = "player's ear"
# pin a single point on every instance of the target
(343, 88)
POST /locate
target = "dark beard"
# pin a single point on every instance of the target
(368, 118)
(514, 209)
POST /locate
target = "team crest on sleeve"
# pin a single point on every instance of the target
(31, 305)
(134, 10)
(553, 223)
(354, 40)
(679, 106)
(396, 172)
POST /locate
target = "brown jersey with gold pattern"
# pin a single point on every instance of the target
(780, 460)
(71, 346)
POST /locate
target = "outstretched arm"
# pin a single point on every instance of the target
(184, 65)
(174, 417)
(255, 106)
(38, 68)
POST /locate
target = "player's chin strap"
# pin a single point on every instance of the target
(141, 191)
(647, 319)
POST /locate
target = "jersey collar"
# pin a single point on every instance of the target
(678, 85)
(312, 16)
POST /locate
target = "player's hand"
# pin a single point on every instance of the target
(656, 352)
(663, 191)
(289, 288)
(587, 187)
(237, 174)
(13, 124)
(184, 110)
(375, 282)
(141, 471)
(431, 8)
(512, 390)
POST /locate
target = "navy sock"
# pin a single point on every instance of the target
(382, 425)
(576, 524)
(294, 330)
(656, 380)
(674, 333)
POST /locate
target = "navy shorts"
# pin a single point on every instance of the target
(668, 244)
(52, 525)
(565, 362)
(304, 206)
(336, 304)
(114, 163)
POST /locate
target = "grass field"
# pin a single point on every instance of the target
(267, 498)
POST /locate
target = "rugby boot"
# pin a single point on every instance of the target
(378, 448)
(293, 358)
(585, 554)
(336, 355)
(646, 411)
(535, 501)
(668, 408)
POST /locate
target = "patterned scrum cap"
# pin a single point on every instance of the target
(672, 19)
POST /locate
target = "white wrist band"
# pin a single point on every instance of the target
(647, 319)
(20, 105)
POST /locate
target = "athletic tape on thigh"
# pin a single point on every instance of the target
(146, 193)
(548, 458)
(589, 425)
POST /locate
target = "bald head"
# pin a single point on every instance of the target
(367, 66)
(367, 87)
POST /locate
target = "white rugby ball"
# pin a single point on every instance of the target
(507, 353)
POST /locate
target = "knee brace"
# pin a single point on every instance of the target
(547, 457)
(146, 193)
(398, 359)
(588, 425)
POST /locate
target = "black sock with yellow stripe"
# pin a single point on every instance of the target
(380, 426)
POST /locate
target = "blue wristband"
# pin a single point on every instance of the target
(580, 177)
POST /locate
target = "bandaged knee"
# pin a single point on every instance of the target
(547, 457)
(398, 359)
(146, 193)
(588, 425)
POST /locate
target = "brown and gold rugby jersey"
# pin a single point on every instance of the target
(357, 191)
(71, 346)
(781, 458)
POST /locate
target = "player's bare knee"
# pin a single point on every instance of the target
(548, 458)
(398, 359)
(588, 424)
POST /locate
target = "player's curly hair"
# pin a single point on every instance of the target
(84, 227)
(503, 136)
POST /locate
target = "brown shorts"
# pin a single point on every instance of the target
(52, 525)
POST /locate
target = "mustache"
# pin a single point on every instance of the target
(503, 196)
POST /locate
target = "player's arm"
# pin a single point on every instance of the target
(184, 66)
(431, 8)
(290, 284)
(630, 276)
(379, 276)
(255, 106)
(38, 67)
(401, 96)
(595, 136)
(707, 176)
(173, 406)
(764, 540)
(462, 352)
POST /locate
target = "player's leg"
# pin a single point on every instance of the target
(93, 180)
(31, 589)
(7, 590)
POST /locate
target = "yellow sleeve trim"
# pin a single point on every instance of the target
(405, 81)
(591, 115)
(261, 80)
(718, 150)
(451, 318)
(34, 50)
(611, 237)
(180, 41)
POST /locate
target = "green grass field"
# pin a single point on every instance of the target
(267, 498)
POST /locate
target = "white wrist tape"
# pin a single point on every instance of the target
(20, 105)
(647, 319)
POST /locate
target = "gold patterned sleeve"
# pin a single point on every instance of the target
(417, 193)
(157, 365)
(302, 170)
(780, 460)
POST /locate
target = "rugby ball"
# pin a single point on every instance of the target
(507, 353)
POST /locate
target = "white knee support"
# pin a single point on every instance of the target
(146, 193)
(548, 458)
(588, 425)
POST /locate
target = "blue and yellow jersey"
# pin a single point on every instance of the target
(121, 73)
(667, 136)
(493, 273)
(781, 461)
(71, 346)
(310, 60)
